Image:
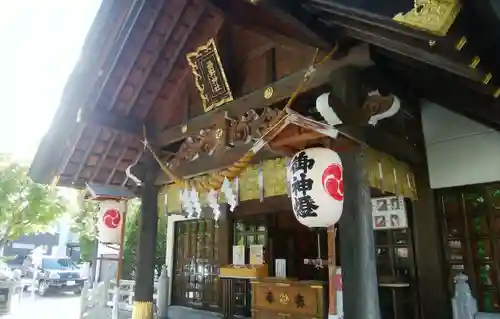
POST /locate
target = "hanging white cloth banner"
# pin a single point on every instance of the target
(316, 180)
(110, 221)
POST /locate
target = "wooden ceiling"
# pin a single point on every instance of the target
(133, 73)
(433, 67)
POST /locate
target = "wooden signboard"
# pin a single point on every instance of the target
(256, 254)
(239, 255)
(209, 75)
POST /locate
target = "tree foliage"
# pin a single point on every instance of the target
(25, 206)
(131, 241)
(84, 217)
(85, 224)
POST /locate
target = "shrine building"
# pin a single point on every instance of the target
(314, 158)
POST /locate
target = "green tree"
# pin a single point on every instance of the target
(25, 206)
(84, 224)
(131, 241)
(85, 220)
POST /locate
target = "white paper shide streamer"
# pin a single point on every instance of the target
(229, 194)
(186, 203)
(212, 199)
(195, 202)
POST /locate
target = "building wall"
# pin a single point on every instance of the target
(26, 243)
(459, 150)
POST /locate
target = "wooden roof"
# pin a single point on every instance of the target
(133, 72)
(140, 60)
(434, 67)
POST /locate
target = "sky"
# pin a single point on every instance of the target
(40, 44)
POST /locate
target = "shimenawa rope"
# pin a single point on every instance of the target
(215, 181)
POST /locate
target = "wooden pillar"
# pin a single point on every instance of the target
(332, 269)
(224, 259)
(428, 250)
(357, 244)
(146, 248)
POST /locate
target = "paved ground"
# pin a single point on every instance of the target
(56, 306)
(67, 306)
(176, 312)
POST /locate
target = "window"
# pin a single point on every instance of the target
(470, 224)
(57, 263)
(23, 246)
(395, 265)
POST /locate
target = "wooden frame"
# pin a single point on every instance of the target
(200, 238)
(470, 224)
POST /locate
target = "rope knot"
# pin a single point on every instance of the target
(310, 72)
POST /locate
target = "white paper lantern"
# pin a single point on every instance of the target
(110, 221)
(316, 181)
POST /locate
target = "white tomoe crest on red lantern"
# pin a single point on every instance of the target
(317, 187)
(110, 221)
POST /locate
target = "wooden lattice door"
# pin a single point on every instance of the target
(471, 235)
(196, 283)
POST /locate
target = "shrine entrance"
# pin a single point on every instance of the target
(195, 275)
(285, 239)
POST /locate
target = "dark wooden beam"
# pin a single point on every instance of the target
(146, 18)
(373, 137)
(69, 148)
(155, 84)
(429, 257)
(146, 252)
(174, 17)
(405, 46)
(393, 145)
(404, 63)
(88, 151)
(172, 98)
(357, 243)
(370, 18)
(214, 163)
(288, 32)
(283, 89)
(452, 92)
(303, 24)
(117, 163)
(115, 59)
(114, 121)
(104, 155)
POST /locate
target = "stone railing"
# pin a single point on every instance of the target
(464, 304)
(126, 298)
(93, 302)
(98, 302)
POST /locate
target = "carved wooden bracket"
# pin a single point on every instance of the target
(224, 133)
(207, 142)
(250, 126)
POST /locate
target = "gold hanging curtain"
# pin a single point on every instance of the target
(384, 173)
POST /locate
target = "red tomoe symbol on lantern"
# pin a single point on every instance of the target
(333, 181)
(112, 218)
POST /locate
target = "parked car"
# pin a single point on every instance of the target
(54, 274)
